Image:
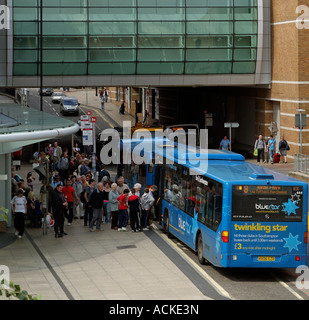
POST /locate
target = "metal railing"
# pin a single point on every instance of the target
(301, 163)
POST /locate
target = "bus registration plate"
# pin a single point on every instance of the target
(266, 258)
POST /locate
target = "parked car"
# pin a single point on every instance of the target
(56, 97)
(46, 91)
(69, 105)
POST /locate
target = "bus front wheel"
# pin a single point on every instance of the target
(200, 250)
(166, 224)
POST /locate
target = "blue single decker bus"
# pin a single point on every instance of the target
(233, 213)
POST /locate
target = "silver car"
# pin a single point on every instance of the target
(69, 105)
(57, 96)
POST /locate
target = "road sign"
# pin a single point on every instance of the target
(302, 118)
(231, 125)
(87, 134)
(89, 113)
(93, 119)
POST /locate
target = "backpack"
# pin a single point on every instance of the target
(82, 197)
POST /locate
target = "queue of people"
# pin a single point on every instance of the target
(74, 194)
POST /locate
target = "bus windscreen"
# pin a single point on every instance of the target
(267, 203)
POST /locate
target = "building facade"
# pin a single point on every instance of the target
(182, 60)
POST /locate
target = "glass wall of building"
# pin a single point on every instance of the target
(135, 37)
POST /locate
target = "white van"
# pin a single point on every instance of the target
(69, 105)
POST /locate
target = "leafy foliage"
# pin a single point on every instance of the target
(11, 290)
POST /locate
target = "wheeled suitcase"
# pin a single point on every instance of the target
(276, 157)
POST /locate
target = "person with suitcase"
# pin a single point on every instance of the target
(271, 148)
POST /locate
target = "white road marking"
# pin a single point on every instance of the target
(200, 270)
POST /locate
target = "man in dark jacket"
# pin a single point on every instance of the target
(96, 202)
(58, 205)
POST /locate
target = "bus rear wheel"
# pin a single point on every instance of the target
(200, 250)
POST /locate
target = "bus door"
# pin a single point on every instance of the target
(158, 176)
(267, 226)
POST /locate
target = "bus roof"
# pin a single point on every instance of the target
(224, 166)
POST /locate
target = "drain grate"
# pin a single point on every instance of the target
(126, 247)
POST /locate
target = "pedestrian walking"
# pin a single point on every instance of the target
(147, 201)
(134, 206)
(261, 147)
(63, 167)
(225, 144)
(283, 148)
(59, 205)
(271, 148)
(19, 210)
(113, 203)
(123, 210)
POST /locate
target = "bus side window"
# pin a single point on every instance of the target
(217, 211)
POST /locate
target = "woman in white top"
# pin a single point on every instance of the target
(19, 209)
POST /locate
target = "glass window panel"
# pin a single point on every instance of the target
(111, 28)
(160, 68)
(112, 14)
(245, 14)
(161, 3)
(245, 54)
(25, 42)
(210, 27)
(149, 14)
(25, 3)
(25, 55)
(160, 55)
(25, 69)
(25, 28)
(112, 3)
(245, 3)
(22, 14)
(160, 27)
(64, 69)
(65, 3)
(245, 27)
(244, 67)
(208, 67)
(161, 42)
(209, 41)
(65, 28)
(111, 68)
(65, 14)
(111, 55)
(64, 42)
(112, 42)
(64, 55)
(209, 14)
(209, 54)
(209, 3)
(245, 41)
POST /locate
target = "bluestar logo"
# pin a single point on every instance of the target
(4, 17)
(259, 206)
